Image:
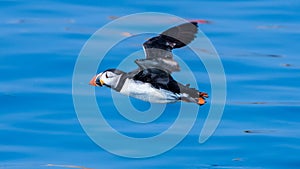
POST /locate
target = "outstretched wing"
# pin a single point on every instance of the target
(158, 50)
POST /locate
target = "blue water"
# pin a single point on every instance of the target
(258, 42)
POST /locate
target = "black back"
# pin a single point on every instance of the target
(159, 79)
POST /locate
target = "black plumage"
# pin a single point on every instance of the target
(175, 37)
(158, 50)
(159, 79)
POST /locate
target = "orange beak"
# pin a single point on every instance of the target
(93, 81)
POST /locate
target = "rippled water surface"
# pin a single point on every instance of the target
(258, 42)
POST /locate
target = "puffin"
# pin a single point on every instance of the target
(152, 80)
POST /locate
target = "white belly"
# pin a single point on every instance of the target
(146, 92)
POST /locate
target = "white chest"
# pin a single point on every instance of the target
(146, 92)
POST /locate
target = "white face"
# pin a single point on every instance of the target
(108, 78)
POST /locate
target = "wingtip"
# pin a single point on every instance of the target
(195, 23)
(200, 21)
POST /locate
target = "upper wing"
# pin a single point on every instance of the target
(175, 37)
(158, 50)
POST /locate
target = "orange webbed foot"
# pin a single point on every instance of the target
(203, 94)
(201, 101)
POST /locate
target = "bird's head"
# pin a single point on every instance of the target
(109, 78)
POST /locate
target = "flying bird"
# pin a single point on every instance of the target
(152, 80)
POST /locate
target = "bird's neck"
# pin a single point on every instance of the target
(120, 82)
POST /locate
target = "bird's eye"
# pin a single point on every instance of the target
(106, 75)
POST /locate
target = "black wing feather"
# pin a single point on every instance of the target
(159, 79)
(158, 50)
(175, 37)
(181, 35)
